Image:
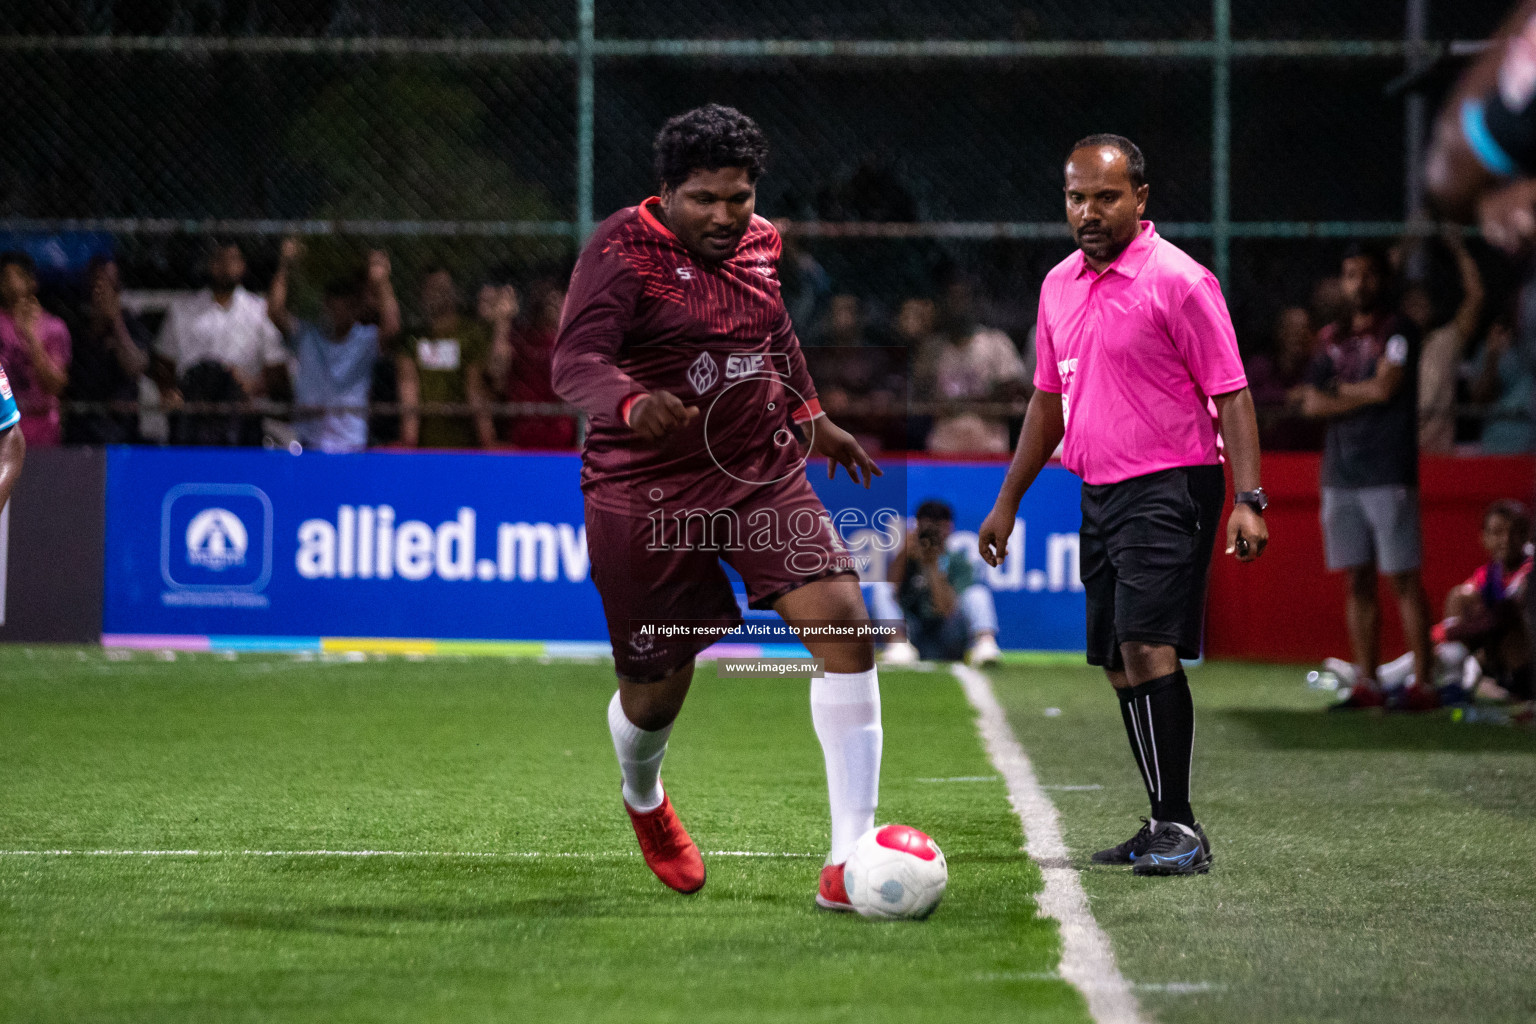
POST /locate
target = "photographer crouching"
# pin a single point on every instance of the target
(949, 613)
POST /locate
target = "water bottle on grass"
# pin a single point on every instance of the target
(1324, 680)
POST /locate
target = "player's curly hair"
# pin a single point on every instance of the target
(709, 138)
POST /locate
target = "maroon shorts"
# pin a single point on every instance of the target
(662, 573)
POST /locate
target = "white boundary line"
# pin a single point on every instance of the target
(1087, 959)
(501, 855)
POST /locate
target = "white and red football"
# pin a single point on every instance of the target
(896, 872)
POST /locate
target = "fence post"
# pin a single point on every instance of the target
(1416, 20)
(1221, 138)
(585, 18)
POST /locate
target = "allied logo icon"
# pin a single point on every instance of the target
(216, 540)
(215, 545)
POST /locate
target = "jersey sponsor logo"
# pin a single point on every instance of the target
(5, 386)
(764, 267)
(641, 642)
(438, 353)
(684, 273)
(704, 373)
(216, 540)
(752, 364)
(1066, 367)
(737, 366)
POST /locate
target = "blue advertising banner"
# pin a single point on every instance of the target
(467, 546)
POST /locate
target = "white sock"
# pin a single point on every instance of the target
(845, 708)
(1451, 655)
(640, 753)
(1396, 673)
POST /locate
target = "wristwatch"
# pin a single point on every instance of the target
(1255, 499)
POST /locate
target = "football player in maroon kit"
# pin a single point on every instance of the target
(675, 341)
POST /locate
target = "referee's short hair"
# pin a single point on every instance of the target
(1135, 163)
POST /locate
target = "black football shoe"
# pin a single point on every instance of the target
(1128, 851)
(1175, 850)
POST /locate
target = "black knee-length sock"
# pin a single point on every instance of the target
(1136, 733)
(1164, 711)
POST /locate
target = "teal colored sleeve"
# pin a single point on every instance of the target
(9, 414)
(1481, 139)
(961, 575)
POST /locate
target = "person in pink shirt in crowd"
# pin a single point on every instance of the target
(1138, 371)
(35, 349)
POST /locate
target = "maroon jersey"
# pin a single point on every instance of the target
(644, 315)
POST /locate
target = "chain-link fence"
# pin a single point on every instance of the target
(913, 144)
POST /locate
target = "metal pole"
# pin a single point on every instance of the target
(1414, 129)
(584, 103)
(1221, 138)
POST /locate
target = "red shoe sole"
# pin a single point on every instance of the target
(833, 905)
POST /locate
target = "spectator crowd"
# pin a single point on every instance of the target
(442, 366)
(226, 365)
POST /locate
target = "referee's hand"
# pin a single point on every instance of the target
(1247, 534)
(659, 414)
(992, 537)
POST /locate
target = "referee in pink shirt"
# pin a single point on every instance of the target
(1138, 372)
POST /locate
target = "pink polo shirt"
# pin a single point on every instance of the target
(1136, 351)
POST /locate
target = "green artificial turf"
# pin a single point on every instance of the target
(1368, 868)
(480, 756)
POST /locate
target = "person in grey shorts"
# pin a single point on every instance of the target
(1364, 382)
(1372, 526)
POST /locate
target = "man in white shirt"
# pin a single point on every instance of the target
(975, 364)
(222, 324)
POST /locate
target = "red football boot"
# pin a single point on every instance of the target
(667, 847)
(1361, 696)
(1421, 698)
(831, 894)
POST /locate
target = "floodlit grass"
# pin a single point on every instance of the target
(473, 756)
(1368, 868)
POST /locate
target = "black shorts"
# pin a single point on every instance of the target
(1145, 554)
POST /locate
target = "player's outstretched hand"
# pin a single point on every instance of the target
(992, 537)
(659, 413)
(841, 449)
(1247, 534)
